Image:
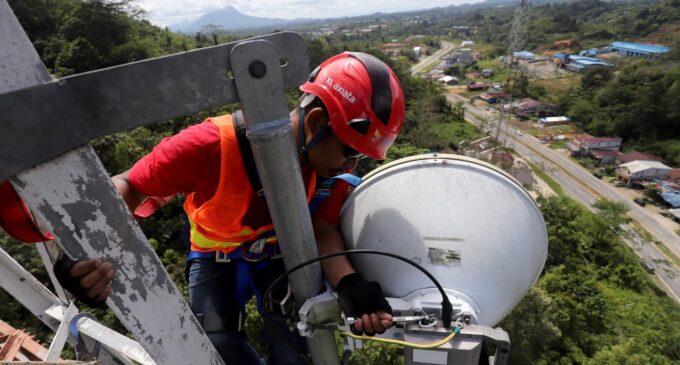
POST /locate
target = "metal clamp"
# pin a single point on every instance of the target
(82, 352)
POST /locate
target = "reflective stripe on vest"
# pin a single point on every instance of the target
(217, 223)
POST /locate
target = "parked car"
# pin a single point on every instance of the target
(597, 174)
(647, 266)
(619, 184)
(640, 201)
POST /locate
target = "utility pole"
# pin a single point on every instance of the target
(517, 43)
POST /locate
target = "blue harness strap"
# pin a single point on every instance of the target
(349, 178)
(324, 189)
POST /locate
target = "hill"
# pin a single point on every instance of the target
(229, 19)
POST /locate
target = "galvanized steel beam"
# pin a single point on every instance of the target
(50, 118)
(73, 198)
(26, 289)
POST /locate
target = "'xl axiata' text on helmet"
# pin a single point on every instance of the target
(364, 101)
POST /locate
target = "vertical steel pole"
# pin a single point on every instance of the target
(257, 73)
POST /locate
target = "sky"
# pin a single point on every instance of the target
(166, 12)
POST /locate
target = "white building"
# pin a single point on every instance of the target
(642, 170)
(449, 80)
(554, 120)
(466, 44)
(584, 145)
(417, 51)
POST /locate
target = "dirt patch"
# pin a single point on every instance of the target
(539, 187)
(564, 45)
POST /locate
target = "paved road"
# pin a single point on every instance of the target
(587, 189)
(585, 179)
(669, 274)
(446, 47)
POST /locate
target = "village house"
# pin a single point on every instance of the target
(642, 170)
(581, 147)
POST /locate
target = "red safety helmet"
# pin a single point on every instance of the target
(364, 101)
(16, 219)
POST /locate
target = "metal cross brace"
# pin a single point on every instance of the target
(71, 194)
(33, 295)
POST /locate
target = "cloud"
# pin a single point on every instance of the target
(166, 12)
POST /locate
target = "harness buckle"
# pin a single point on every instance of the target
(221, 257)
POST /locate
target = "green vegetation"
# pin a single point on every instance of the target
(593, 304)
(69, 37)
(557, 86)
(558, 145)
(75, 36)
(501, 73)
(668, 253)
(428, 67)
(587, 306)
(639, 104)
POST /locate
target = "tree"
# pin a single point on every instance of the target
(455, 70)
(595, 78)
(213, 31)
(611, 212)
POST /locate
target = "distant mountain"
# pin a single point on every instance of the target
(228, 19)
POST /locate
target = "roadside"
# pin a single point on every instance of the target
(570, 180)
(432, 60)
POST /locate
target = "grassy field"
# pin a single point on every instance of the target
(558, 145)
(457, 132)
(557, 86)
(429, 67)
(548, 180)
(501, 72)
(483, 48)
(565, 128)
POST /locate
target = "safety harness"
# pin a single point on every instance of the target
(254, 256)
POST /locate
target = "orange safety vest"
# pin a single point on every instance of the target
(217, 224)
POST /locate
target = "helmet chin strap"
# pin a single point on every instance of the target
(304, 146)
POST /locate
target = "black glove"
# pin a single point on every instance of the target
(358, 296)
(62, 270)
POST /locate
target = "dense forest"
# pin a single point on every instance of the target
(593, 304)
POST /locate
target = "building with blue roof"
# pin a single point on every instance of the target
(561, 56)
(638, 49)
(671, 198)
(581, 63)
